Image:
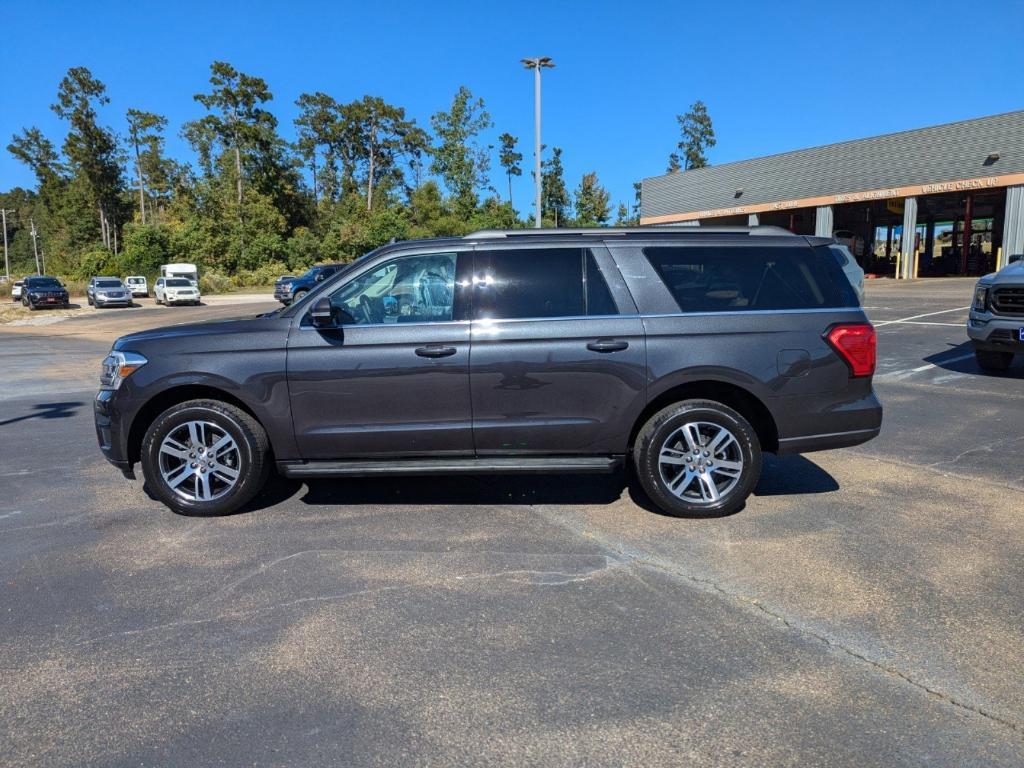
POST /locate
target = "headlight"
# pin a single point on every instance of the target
(34, 296)
(287, 287)
(118, 366)
(980, 303)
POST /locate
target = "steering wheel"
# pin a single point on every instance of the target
(367, 307)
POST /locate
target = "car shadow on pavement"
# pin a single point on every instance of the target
(47, 411)
(788, 475)
(959, 358)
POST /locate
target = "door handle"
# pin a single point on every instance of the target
(435, 351)
(607, 345)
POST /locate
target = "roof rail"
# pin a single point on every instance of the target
(494, 234)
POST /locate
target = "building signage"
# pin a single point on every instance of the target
(890, 195)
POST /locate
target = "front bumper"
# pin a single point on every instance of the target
(181, 299)
(122, 302)
(994, 333)
(285, 297)
(113, 442)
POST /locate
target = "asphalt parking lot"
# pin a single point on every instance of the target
(863, 609)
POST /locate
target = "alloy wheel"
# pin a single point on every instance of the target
(700, 462)
(199, 461)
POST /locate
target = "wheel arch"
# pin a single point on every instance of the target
(740, 399)
(163, 400)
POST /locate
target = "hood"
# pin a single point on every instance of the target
(210, 328)
(1012, 273)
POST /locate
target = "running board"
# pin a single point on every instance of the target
(475, 466)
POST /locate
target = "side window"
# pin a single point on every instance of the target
(729, 279)
(539, 283)
(599, 298)
(408, 289)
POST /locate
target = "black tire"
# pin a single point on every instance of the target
(31, 307)
(88, 300)
(156, 299)
(253, 456)
(298, 296)
(993, 361)
(664, 425)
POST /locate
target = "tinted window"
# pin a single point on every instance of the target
(537, 283)
(42, 282)
(599, 298)
(729, 279)
(410, 289)
(178, 282)
(108, 283)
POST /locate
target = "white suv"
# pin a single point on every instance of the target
(175, 290)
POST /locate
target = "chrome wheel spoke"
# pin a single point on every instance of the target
(692, 436)
(175, 451)
(225, 473)
(224, 444)
(175, 477)
(708, 489)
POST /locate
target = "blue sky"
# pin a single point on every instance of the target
(775, 76)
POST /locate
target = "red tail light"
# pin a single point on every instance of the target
(857, 345)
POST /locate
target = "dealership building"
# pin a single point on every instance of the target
(902, 201)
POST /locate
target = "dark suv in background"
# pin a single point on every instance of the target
(289, 289)
(43, 291)
(685, 351)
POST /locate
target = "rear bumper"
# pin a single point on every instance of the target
(826, 442)
(823, 422)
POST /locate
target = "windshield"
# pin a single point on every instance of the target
(108, 283)
(179, 282)
(42, 282)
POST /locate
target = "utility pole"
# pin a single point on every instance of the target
(7, 261)
(35, 249)
(536, 64)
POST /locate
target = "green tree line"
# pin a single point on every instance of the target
(109, 199)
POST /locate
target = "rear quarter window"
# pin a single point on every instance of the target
(751, 278)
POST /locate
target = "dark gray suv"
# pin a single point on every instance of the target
(685, 351)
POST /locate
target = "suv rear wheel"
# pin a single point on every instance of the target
(993, 361)
(205, 457)
(698, 458)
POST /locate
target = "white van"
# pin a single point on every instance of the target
(137, 285)
(188, 271)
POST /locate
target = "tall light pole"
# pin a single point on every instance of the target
(536, 64)
(7, 261)
(35, 249)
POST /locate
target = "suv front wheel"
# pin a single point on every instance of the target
(205, 457)
(993, 361)
(698, 458)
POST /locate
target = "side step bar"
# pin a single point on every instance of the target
(488, 465)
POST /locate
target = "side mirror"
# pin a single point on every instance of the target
(321, 315)
(1015, 258)
(320, 276)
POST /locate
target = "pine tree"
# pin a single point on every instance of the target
(697, 135)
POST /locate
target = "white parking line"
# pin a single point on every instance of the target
(926, 322)
(897, 375)
(916, 317)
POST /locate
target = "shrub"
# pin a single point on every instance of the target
(215, 282)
